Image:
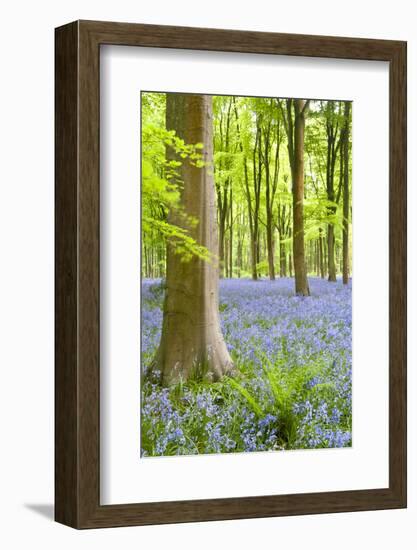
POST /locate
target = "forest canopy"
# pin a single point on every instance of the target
(253, 146)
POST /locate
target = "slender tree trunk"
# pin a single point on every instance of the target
(269, 234)
(222, 210)
(333, 145)
(251, 214)
(223, 190)
(283, 226)
(191, 341)
(226, 258)
(269, 199)
(257, 180)
(270, 247)
(239, 255)
(231, 234)
(309, 262)
(253, 258)
(239, 247)
(346, 199)
(321, 254)
(301, 282)
(282, 259)
(221, 252)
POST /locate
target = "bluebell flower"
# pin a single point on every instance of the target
(259, 319)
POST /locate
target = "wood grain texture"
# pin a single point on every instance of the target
(78, 287)
(398, 273)
(66, 237)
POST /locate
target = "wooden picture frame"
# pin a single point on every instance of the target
(77, 372)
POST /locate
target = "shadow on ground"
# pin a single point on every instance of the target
(45, 510)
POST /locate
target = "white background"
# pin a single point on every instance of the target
(126, 478)
(26, 218)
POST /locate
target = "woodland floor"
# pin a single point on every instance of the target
(294, 387)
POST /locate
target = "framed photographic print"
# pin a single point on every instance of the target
(230, 274)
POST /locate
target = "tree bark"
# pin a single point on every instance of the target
(271, 183)
(346, 199)
(321, 254)
(222, 225)
(284, 231)
(257, 181)
(253, 212)
(231, 234)
(330, 253)
(333, 145)
(192, 343)
(300, 272)
(282, 260)
(269, 235)
(239, 251)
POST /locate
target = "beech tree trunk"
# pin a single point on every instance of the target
(282, 260)
(257, 181)
(331, 250)
(294, 127)
(251, 213)
(284, 229)
(192, 343)
(300, 272)
(345, 154)
(321, 254)
(333, 145)
(269, 235)
(239, 251)
(231, 234)
(271, 183)
(221, 246)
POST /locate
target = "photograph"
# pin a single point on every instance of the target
(246, 274)
(209, 266)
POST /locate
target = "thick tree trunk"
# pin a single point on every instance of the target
(301, 282)
(191, 342)
(345, 154)
(330, 253)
